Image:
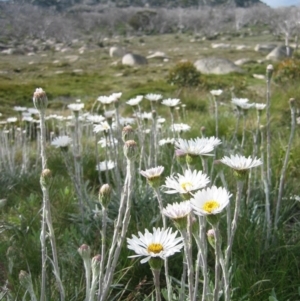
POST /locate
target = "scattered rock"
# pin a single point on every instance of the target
(132, 59)
(117, 51)
(158, 55)
(244, 61)
(214, 65)
(220, 46)
(71, 58)
(264, 47)
(280, 52)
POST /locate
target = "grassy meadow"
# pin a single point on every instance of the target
(265, 258)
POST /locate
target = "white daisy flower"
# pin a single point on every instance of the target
(161, 120)
(239, 101)
(102, 127)
(171, 102)
(197, 147)
(180, 127)
(240, 163)
(161, 243)
(61, 141)
(116, 96)
(211, 200)
(246, 106)
(188, 182)
(216, 92)
(106, 100)
(151, 173)
(105, 165)
(153, 97)
(95, 118)
(260, 106)
(12, 119)
(166, 141)
(135, 101)
(33, 111)
(76, 107)
(177, 210)
(27, 118)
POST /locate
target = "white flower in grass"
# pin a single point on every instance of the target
(161, 243)
(246, 106)
(171, 102)
(12, 119)
(76, 107)
(260, 106)
(177, 210)
(161, 120)
(116, 96)
(27, 118)
(209, 201)
(102, 127)
(105, 165)
(240, 163)
(166, 141)
(239, 101)
(61, 141)
(216, 92)
(126, 121)
(135, 101)
(33, 111)
(188, 182)
(106, 100)
(153, 97)
(180, 127)
(95, 118)
(196, 147)
(153, 175)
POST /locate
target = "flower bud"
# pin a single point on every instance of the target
(40, 99)
(156, 263)
(270, 70)
(105, 195)
(130, 149)
(84, 251)
(25, 279)
(46, 178)
(96, 265)
(127, 133)
(211, 237)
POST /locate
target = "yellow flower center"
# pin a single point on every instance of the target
(155, 248)
(186, 186)
(210, 206)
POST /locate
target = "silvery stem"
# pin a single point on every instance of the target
(87, 267)
(285, 163)
(267, 193)
(216, 117)
(168, 280)
(187, 240)
(156, 274)
(201, 259)
(103, 248)
(244, 130)
(47, 219)
(240, 185)
(268, 114)
(122, 227)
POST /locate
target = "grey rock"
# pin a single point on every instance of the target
(116, 51)
(278, 53)
(132, 59)
(214, 65)
(264, 47)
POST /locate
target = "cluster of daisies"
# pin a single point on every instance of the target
(200, 199)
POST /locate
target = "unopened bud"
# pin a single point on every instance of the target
(270, 70)
(40, 99)
(3, 202)
(105, 195)
(46, 178)
(25, 279)
(84, 251)
(211, 237)
(127, 133)
(130, 149)
(96, 265)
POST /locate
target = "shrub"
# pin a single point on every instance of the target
(287, 71)
(184, 74)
